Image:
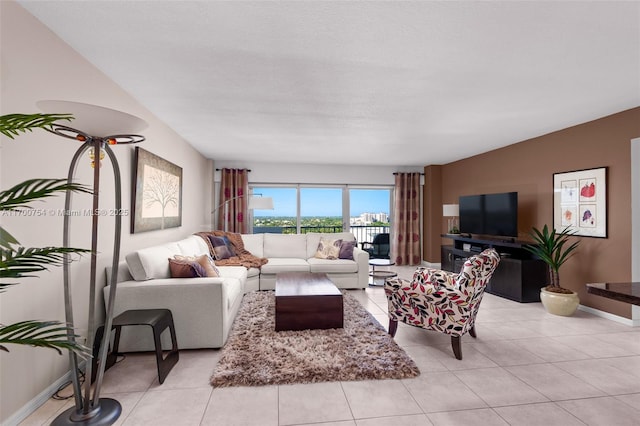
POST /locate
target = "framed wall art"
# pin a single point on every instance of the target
(580, 202)
(157, 193)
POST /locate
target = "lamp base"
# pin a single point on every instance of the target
(105, 414)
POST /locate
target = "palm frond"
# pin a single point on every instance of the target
(47, 334)
(6, 239)
(12, 125)
(22, 261)
(34, 189)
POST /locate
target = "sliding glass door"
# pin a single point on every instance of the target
(305, 208)
(370, 212)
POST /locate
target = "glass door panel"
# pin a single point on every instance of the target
(320, 210)
(369, 213)
(283, 219)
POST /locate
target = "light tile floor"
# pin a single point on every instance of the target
(526, 367)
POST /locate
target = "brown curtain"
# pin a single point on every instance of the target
(234, 191)
(405, 245)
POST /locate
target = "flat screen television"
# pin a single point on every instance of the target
(489, 214)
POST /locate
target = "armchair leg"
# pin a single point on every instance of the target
(455, 344)
(472, 331)
(393, 327)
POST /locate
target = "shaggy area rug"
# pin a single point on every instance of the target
(255, 354)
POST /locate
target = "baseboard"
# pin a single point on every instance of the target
(612, 317)
(431, 265)
(31, 406)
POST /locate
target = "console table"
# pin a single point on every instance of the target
(623, 292)
(519, 276)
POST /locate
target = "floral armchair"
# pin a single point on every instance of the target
(442, 301)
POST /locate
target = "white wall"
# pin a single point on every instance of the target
(38, 65)
(317, 174)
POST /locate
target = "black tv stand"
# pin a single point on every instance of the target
(519, 275)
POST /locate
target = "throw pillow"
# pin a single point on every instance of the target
(186, 269)
(328, 249)
(203, 260)
(229, 246)
(220, 249)
(207, 263)
(346, 250)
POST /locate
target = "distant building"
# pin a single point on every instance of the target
(366, 219)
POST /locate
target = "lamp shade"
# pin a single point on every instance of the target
(260, 203)
(94, 120)
(450, 210)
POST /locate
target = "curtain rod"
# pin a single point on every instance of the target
(397, 173)
(217, 170)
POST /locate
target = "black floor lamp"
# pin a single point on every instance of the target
(101, 127)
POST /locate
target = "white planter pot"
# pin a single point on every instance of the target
(558, 303)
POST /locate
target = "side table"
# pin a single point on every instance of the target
(158, 320)
(380, 275)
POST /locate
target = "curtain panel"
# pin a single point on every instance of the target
(234, 199)
(405, 245)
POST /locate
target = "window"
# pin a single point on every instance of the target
(320, 210)
(307, 208)
(283, 219)
(369, 212)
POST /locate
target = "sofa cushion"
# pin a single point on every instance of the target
(313, 239)
(285, 264)
(253, 243)
(332, 266)
(193, 246)
(182, 268)
(285, 245)
(253, 272)
(238, 272)
(151, 263)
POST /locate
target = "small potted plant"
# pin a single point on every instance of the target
(554, 249)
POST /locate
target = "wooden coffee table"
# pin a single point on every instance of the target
(306, 300)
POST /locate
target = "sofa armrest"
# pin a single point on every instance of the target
(362, 259)
(195, 303)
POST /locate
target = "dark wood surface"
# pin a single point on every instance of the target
(623, 292)
(518, 276)
(307, 301)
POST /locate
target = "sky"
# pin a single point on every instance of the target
(323, 201)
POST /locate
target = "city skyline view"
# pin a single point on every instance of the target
(323, 202)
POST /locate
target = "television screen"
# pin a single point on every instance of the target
(489, 214)
(471, 214)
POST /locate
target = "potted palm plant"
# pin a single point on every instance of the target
(17, 261)
(554, 248)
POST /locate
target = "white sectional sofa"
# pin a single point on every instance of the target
(295, 253)
(204, 308)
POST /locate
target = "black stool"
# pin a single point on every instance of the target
(159, 320)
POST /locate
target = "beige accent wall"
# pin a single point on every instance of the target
(528, 167)
(37, 65)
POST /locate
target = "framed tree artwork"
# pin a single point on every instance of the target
(580, 202)
(157, 193)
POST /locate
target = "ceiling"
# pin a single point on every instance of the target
(360, 83)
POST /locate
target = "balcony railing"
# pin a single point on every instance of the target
(361, 232)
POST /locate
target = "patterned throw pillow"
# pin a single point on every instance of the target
(203, 260)
(346, 250)
(229, 246)
(220, 248)
(328, 249)
(186, 269)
